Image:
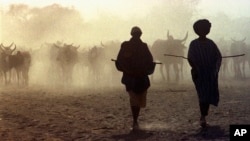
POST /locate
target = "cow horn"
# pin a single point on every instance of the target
(185, 38)
(13, 49)
(10, 45)
(1, 47)
(168, 34)
(55, 45)
(102, 44)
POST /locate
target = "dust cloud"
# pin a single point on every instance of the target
(31, 28)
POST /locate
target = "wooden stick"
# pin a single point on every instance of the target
(187, 58)
(158, 63)
(175, 56)
(233, 56)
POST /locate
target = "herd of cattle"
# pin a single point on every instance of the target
(63, 59)
(20, 62)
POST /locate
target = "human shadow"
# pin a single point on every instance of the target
(210, 133)
(133, 135)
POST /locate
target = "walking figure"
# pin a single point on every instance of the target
(205, 59)
(136, 62)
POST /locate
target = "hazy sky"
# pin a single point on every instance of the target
(231, 7)
(91, 8)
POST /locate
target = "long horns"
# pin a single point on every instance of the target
(72, 45)
(168, 34)
(183, 40)
(8, 47)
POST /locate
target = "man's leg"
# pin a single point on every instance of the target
(135, 113)
(137, 101)
(204, 107)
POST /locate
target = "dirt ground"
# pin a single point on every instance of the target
(84, 114)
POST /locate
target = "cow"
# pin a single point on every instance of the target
(45, 57)
(96, 58)
(170, 46)
(111, 49)
(66, 58)
(239, 47)
(96, 61)
(20, 62)
(224, 46)
(5, 51)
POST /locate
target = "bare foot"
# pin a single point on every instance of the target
(203, 122)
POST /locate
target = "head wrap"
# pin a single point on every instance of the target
(202, 27)
(135, 30)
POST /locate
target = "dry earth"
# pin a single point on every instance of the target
(84, 114)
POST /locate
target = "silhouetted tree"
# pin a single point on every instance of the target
(52, 22)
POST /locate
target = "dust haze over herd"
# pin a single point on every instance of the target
(31, 27)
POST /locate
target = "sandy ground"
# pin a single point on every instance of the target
(83, 114)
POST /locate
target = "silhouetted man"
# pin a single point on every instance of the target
(135, 61)
(205, 59)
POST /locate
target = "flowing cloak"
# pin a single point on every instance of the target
(135, 60)
(205, 59)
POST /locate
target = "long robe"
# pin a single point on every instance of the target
(135, 60)
(205, 59)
